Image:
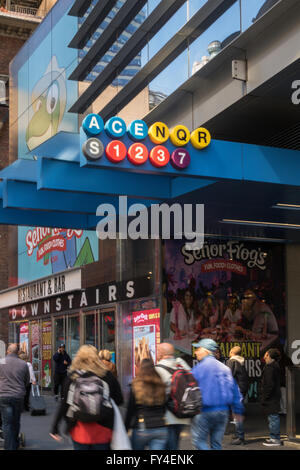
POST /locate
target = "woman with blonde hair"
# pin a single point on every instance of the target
(87, 435)
(105, 358)
(146, 409)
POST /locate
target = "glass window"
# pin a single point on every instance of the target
(73, 338)
(59, 332)
(108, 330)
(90, 330)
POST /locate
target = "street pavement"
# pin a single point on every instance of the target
(36, 430)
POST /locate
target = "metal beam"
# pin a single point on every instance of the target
(199, 23)
(155, 21)
(115, 28)
(21, 195)
(79, 7)
(92, 22)
(66, 176)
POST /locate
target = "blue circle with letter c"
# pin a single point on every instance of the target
(115, 127)
(137, 130)
(93, 124)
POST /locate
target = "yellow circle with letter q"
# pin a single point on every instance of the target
(158, 133)
(200, 138)
(180, 136)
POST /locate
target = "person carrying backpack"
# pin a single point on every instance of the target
(220, 393)
(146, 409)
(86, 405)
(236, 363)
(167, 365)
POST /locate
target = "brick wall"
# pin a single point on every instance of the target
(9, 48)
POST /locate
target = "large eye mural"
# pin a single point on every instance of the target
(48, 101)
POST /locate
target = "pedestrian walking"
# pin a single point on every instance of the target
(14, 378)
(220, 393)
(270, 396)
(25, 358)
(166, 364)
(236, 363)
(89, 421)
(105, 358)
(62, 362)
(284, 362)
(146, 409)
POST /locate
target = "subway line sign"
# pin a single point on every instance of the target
(145, 144)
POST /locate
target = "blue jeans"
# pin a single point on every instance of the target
(174, 431)
(11, 409)
(274, 426)
(78, 446)
(211, 426)
(239, 429)
(154, 438)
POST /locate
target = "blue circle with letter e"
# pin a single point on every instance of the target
(137, 130)
(115, 127)
(93, 124)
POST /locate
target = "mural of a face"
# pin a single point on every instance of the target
(48, 100)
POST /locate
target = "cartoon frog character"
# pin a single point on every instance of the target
(48, 100)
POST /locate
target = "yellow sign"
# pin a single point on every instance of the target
(200, 138)
(180, 136)
(158, 133)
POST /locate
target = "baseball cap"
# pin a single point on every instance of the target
(207, 343)
(62, 345)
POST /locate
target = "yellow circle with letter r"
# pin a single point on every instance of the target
(180, 135)
(158, 133)
(200, 138)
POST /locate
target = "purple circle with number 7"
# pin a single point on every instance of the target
(180, 159)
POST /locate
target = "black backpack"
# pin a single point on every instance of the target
(185, 399)
(89, 399)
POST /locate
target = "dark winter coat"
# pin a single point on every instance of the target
(239, 372)
(270, 388)
(60, 367)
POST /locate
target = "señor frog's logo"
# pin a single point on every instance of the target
(48, 240)
(48, 101)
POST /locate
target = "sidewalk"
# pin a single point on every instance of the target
(36, 429)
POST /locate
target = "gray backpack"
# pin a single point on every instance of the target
(89, 399)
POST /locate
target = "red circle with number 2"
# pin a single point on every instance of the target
(137, 154)
(116, 151)
(159, 156)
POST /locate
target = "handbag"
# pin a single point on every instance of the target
(120, 439)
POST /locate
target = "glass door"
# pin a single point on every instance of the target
(59, 332)
(107, 331)
(91, 335)
(73, 335)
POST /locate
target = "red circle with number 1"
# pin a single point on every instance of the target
(159, 156)
(116, 151)
(137, 153)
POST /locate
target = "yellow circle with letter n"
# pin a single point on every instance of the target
(180, 136)
(200, 138)
(158, 133)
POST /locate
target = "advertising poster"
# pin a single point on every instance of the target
(230, 291)
(44, 251)
(46, 353)
(35, 348)
(24, 338)
(146, 336)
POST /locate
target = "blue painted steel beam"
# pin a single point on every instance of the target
(21, 170)
(58, 175)
(46, 219)
(24, 195)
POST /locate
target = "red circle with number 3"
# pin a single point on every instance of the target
(159, 156)
(137, 154)
(116, 151)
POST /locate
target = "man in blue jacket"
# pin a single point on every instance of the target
(220, 392)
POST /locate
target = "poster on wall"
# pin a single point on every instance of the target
(146, 336)
(46, 353)
(230, 291)
(35, 348)
(43, 251)
(24, 338)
